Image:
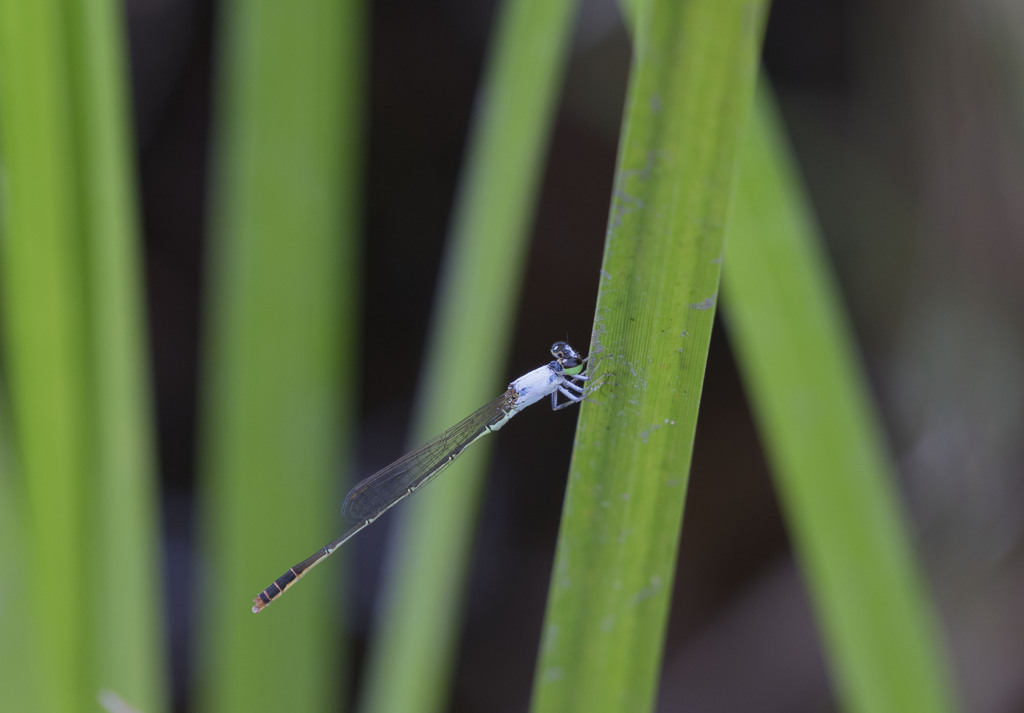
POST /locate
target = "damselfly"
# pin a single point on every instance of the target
(387, 487)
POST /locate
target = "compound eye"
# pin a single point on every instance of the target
(562, 350)
(568, 359)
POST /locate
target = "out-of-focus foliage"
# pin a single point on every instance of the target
(83, 523)
(906, 126)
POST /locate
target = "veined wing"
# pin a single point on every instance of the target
(372, 496)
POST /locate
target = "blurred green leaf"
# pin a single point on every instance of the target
(278, 354)
(691, 85)
(823, 438)
(128, 652)
(76, 362)
(45, 344)
(20, 677)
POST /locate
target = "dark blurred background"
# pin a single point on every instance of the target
(907, 120)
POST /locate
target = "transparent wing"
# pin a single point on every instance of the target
(372, 496)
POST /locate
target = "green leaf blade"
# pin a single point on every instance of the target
(691, 85)
(282, 285)
(814, 412)
(127, 623)
(45, 343)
